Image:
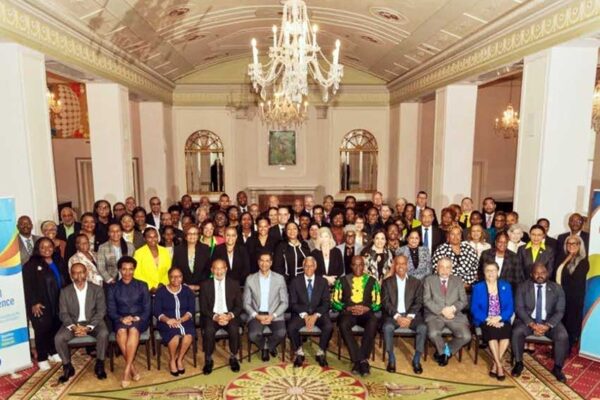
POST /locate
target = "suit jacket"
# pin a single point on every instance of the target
(544, 256)
(436, 236)
(319, 301)
(95, 305)
(525, 302)
(336, 262)
(61, 232)
(150, 221)
(278, 296)
(289, 258)
(23, 248)
(413, 296)
(424, 267)
(241, 262)
(233, 297)
(277, 235)
(480, 302)
(357, 249)
(201, 265)
(512, 272)
(560, 243)
(107, 261)
(434, 301)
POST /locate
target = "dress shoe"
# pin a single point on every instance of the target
(273, 353)
(44, 365)
(174, 373)
(322, 360)
(298, 361)
(559, 375)
(391, 367)
(437, 357)
(68, 372)
(443, 360)
(234, 364)
(501, 377)
(517, 369)
(364, 368)
(265, 355)
(417, 369)
(208, 367)
(355, 369)
(99, 369)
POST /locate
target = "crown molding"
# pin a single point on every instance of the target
(527, 30)
(30, 27)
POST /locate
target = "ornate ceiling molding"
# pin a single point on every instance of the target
(26, 27)
(507, 40)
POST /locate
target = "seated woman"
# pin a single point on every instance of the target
(153, 261)
(87, 257)
(419, 259)
(378, 258)
(290, 253)
(330, 261)
(492, 309)
(110, 252)
(174, 308)
(128, 304)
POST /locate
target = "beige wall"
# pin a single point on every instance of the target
(425, 147)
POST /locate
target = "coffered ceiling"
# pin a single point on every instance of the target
(385, 38)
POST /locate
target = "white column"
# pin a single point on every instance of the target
(454, 135)
(555, 139)
(154, 150)
(26, 149)
(110, 141)
(408, 146)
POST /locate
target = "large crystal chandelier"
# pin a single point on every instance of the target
(294, 53)
(508, 125)
(282, 113)
(596, 109)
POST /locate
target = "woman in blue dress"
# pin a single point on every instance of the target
(174, 307)
(129, 309)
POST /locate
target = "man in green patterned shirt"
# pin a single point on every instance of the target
(357, 297)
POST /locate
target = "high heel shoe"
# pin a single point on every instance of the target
(125, 384)
(136, 377)
(176, 373)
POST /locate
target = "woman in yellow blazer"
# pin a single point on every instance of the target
(153, 261)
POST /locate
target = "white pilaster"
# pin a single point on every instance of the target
(110, 140)
(555, 139)
(26, 158)
(408, 162)
(454, 136)
(154, 150)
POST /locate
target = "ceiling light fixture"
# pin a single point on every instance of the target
(54, 104)
(293, 55)
(508, 125)
(283, 113)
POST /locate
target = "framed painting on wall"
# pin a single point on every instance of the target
(282, 148)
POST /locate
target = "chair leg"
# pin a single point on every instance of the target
(426, 349)
(195, 352)
(158, 351)
(249, 348)
(240, 356)
(339, 343)
(460, 355)
(476, 348)
(381, 344)
(147, 344)
(283, 350)
(111, 355)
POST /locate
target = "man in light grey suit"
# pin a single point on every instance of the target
(82, 308)
(265, 301)
(26, 239)
(444, 298)
(540, 306)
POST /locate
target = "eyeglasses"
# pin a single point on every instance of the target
(572, 243)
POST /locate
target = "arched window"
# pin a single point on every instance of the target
(204, 158)
(358, 161)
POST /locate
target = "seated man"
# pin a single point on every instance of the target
(357, 297)
(402, 301)
(265, 302)
(220, 307)
(539, 308)
(444, 298)
(309, 297)
(82, 308)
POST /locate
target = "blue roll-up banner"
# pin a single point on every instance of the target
(14, 334)
(590, 341)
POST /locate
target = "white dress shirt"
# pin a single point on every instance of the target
(81, 294)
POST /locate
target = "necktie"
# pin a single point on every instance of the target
(29, 245)
(444, 288)
(309, 289)
(426, 238)
(538, 305)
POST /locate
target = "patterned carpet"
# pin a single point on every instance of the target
(276, 380)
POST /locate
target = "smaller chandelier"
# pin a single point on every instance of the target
(54, 104)
(596, 109)
(508, 125)
(282, 113)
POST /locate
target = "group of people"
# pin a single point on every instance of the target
(284, 271)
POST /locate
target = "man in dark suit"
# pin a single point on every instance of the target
(277, 232)
(153, 217)
(82, 308)
(489, 210)
(68, 225)
(26, 239)
(549, 241)
(540, 306)
(349, 248)
(576, 222)
(402, 302)
(431, 236)
(309, 300)
(242, 201)
(220, 307)
(235, 256)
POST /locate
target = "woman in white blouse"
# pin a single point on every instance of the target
(87, 257)
(477, 238)
(515, 234)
